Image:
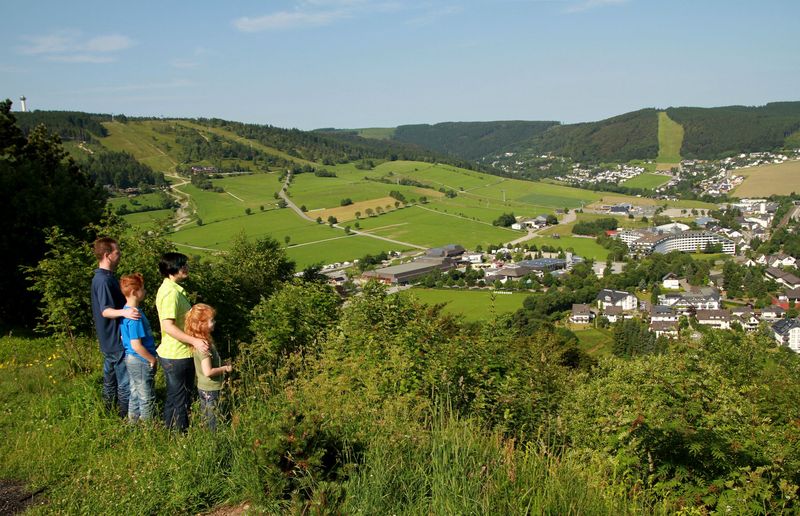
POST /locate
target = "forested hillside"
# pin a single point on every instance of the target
(621, 138)
(471, 140)
(327, 148)
(711, 133)
(69, 125)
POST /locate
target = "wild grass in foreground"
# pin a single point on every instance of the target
(58, 438)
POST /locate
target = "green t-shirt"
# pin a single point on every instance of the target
(172, 303)
(208, 383)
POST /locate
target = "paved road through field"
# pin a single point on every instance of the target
(305, 216)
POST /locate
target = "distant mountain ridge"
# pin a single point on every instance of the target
(710, 133)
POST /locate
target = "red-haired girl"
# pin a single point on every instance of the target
(208, 368)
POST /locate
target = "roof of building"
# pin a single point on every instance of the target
(661, 310)
(612, 296)
(717, 315)
(779, 274)
(578, 309)
(613, 310)
(783, 326)
(447, 250)
(664, 326)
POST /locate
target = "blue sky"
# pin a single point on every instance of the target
(380, 63)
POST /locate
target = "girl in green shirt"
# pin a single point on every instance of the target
(207, 365)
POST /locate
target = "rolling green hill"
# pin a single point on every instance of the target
(470, 140)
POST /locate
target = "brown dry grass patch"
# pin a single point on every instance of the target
(766, 180)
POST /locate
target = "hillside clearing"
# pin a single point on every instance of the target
(766, 180)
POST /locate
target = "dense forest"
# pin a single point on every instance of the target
(712, 133)
(69, 125)
(621, 138)
(121, 170)
(470, 140)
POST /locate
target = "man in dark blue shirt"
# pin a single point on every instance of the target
(107, 308)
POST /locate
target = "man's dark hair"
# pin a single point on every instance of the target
(171, 263)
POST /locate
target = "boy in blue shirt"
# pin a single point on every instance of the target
(140, 352)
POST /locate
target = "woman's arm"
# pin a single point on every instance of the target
(137, 346)
(213, 371)
(171, 329)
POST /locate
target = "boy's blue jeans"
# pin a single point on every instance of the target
(116, 385)
(142, 380)
(179, 373)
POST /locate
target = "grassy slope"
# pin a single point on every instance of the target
(58, 439)
(157, 150)
(474, 305)
(670, 140)
(647, 181)
(765, 180)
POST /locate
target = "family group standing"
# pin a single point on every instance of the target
(131, 357)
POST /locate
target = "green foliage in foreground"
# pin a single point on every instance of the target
(387, 405)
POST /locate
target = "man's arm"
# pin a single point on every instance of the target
(128, 313)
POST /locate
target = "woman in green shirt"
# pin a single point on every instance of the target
(175, 353)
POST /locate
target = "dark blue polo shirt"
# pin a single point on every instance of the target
(106, 294)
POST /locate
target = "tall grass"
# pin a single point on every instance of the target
(459, 468)
(58, 438)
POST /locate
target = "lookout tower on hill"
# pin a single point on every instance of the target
(22, 104)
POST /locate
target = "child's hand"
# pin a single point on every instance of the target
(228, 368)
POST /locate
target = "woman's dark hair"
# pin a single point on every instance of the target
(171, 263)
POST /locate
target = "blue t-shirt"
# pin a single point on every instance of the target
(139, 329)
(106, 294)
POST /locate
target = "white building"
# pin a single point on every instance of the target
(787, 333)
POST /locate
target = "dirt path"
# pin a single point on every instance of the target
(16, 499)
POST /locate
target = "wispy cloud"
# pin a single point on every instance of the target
(70, 46)
(319, 13)
(288, 20)
(587, 5)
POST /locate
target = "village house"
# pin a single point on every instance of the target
(615, 314)
(787, 333)
(719, 319)
(581, 314)
(665, 328)
(787, 279)
(671, 281)
(698, 298)
(776, 260)
(746, 317)
(772, 313)
(662, 313)
(625, 300)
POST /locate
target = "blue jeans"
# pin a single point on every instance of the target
(179, 373)
(116, 386)
(143, 398)
(209, 402)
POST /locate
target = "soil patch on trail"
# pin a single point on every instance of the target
(15, 498)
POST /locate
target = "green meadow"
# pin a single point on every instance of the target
(422, 226)
(594, 341)
(473, 305)
(584, 247)
(646, 181)
(670, 140)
